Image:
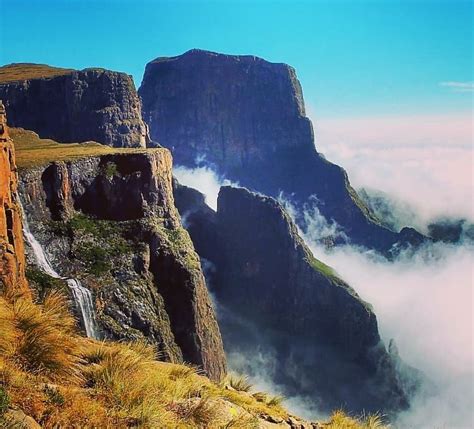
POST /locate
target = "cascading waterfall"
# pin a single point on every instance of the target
(82, 296)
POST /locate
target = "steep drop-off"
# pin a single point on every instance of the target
(317, 337)
(110, 221)
(12, 257)
(74, 106)
(246, 117)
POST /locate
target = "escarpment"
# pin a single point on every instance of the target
(245, 117)
(110, 221)
(317, 337)
(12, 257)
(74, 105)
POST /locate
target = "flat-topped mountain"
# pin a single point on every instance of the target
(74, 105)
(246, 117)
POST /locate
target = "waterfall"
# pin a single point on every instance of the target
(82, 296)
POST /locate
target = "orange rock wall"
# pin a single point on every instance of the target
(12, 255)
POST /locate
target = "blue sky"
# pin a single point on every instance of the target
(354, 58)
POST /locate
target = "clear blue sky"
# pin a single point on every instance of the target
(352, 57)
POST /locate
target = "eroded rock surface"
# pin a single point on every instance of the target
(76, 106)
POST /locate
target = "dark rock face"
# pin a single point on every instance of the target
(110, 221)
(246, 117)
(92, 104)
(274, 295)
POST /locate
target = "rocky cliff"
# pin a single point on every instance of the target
(317, 337)
(12, 257)
(74, 106)
(110, 221)
(246, 117)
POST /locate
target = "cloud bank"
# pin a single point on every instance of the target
(424, 161)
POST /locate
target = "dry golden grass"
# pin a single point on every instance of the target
(64, 380)
(340, 420)
(23, 71)
(33, 151)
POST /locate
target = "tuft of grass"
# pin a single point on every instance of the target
(46, 339)
(239, 382)
(340, 420)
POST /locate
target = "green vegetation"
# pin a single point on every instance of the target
(321, 267)
(96, 258)
(4, 401)
(44, 283)
(110, 170)
(33, 151)
(23, 71)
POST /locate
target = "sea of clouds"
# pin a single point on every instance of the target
(424, 299)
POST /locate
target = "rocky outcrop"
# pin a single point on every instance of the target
(12, 257)
(246, 117)
(75, 106)
(110, 221)
(318, 338)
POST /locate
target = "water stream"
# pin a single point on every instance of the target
(82, 296)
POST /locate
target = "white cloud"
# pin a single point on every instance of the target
(204, 180)
(425, 161)
(459, 86)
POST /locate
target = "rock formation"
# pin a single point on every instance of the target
(276, 298)
(246, 117)
(74, 106)
(110, 221)
(12, 257)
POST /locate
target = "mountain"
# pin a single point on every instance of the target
(74, 105)
(246, 118)
(275, 298)
(108, 220)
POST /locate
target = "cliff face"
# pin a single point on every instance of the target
(276, 298)
(110, 221)
(74, 106)
(12, 257)
(246, 117)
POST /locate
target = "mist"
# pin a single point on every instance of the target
(423, 300)
(421, 161)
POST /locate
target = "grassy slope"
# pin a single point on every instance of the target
(60, 378)
(33, 151)
(23, 71)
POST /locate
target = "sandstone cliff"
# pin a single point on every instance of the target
(319, 339)
(246, 117)
(74, 106)
(12, 257)
(110, 221)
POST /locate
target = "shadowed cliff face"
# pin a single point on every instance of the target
(12, 257)
(76, 106)
(245, 117)
(275, 297)
(110, 221)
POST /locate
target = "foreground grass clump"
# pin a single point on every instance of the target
(57, 377)
(61, 379)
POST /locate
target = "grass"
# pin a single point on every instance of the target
(23, 71)
(321, 267)
(33, 151)
(340, 420)
(56, 376)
